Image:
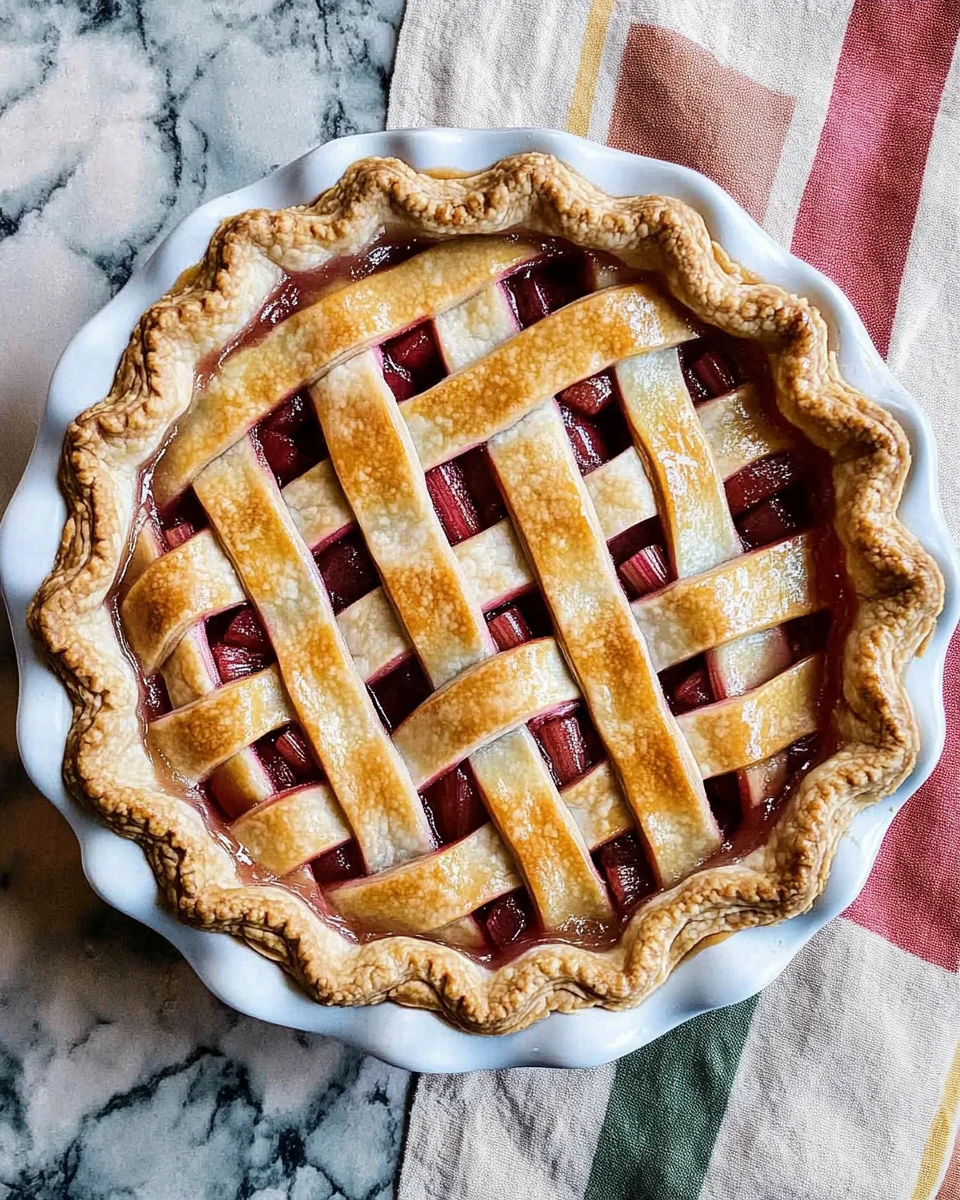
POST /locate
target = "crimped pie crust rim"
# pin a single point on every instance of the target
(898, 588)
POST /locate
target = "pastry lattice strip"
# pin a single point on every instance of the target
(196, 579)
(424, 427)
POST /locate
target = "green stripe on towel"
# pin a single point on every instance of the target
(665, 1108)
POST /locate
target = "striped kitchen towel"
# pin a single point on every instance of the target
(835, 123)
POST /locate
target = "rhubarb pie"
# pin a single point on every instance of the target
(478, 592)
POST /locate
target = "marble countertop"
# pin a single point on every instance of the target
(120, 1075)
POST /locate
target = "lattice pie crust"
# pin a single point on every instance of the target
(606, 650)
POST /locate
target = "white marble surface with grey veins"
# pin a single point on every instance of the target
(120, 1075)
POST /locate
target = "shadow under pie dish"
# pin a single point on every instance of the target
(478, 592)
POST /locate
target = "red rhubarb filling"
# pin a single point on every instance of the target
(347, 571)
(287, 758)
(454, 805)
(769, 499)
(181, 519)
(290, 439)
(564, 747)
(687, 686)
(338, 865)
(590, 396)
(646, 571)
(624, 867)
(412, 362)
(450, 493)
(541, 289)
(509, 627)
(154, 700)
(508, 921)
(397, 694)
(589, 445)
(710, 370)
(238, 644)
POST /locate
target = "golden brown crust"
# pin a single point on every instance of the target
(898, 592)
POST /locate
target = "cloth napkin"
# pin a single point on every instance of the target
(835, 124)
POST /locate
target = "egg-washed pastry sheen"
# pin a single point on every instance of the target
(477, 592)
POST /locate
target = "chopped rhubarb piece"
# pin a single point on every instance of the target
(589, 446)
(156, 702)
(415, 350)
(398, 380)
(564, 747)
(626, 544)
(478, 477)
(509, 628)
(692, 692)
(807, 635)
(282, 775)
(292, 747)
(236, 662)
(294, 421)
(626, 870)
(541, 290)
(562, 279)
(804, 753)
(769, 522)
(290, 417)
(507, 919)
(412, 362)
(339, 865)
(536, 614)
(182, 518)
(347, 571)
(529, 297)
(723, 792)
(614, 430)
(589, 396)
(760, 480)
(285, 457)
(245, 630)
(455, 805)
(453, 502)
(646, 571)
(689, 352)
(398, 693)
(714, 373)
(177, 534)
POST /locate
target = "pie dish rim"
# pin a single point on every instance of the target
(711, 186)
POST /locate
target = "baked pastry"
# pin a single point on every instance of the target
(479, 592)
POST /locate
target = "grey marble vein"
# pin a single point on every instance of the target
(118, 117)
(120, 1075)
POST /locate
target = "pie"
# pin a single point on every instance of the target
(478, 592)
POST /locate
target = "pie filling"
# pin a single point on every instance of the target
(519, 599)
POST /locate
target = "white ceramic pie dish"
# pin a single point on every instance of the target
(117, 869)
